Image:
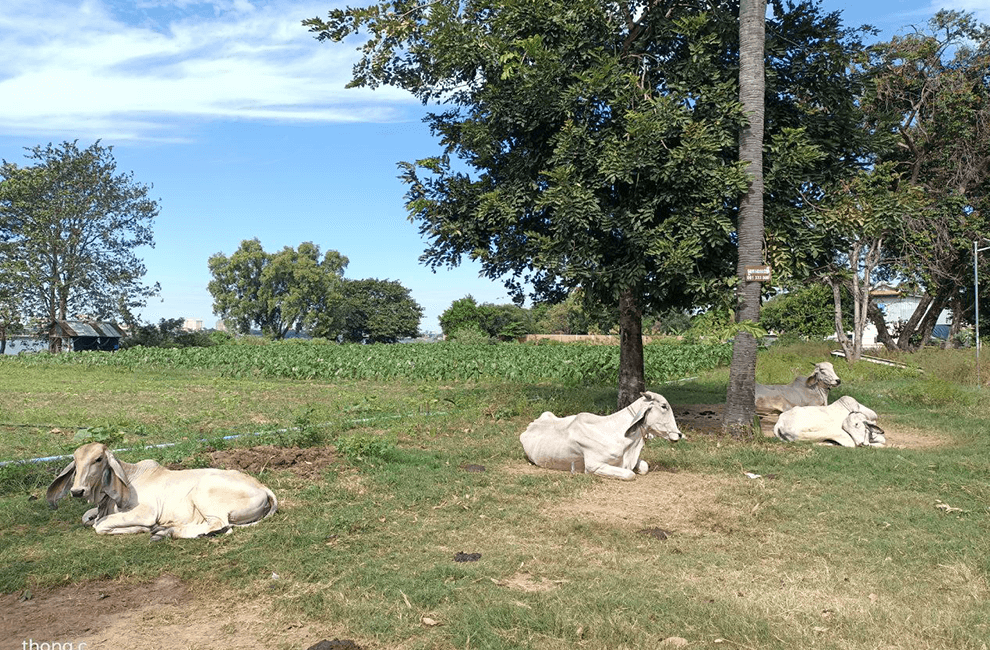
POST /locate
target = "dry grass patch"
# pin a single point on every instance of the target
(680, 502)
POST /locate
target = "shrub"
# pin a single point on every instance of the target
(364, 447)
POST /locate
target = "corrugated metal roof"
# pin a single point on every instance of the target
(87, 328)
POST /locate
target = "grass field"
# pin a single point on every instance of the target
(829, 548)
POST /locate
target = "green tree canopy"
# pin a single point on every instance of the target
(376, 311)
(804, 312)
(930, 100)
(595, 144)
(70, 226)
(462, 313)
(275, 292)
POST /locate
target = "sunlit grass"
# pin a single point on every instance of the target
(831, 548)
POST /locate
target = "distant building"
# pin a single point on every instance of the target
(193, 325)
(78, 335)
(897, 306)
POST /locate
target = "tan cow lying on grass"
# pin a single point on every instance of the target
(607, 445)
(145, 497)
(803, 391)
(844, 422)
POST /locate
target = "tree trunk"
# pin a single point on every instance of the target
(931, 317)
(740, 403)
(954, 329)
(883, 334)
(922, 321)
(840, 330)
(911, 326)
(631, 369)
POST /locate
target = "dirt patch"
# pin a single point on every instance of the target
(310, 462)
(677, 503)
(706, 419)
(116, 615)
(907, 438)
(524, 581)
(72, 612)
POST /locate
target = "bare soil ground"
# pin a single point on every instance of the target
(118, 615)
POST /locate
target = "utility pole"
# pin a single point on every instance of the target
(976, 302)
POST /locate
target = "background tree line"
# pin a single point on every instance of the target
(298, 290)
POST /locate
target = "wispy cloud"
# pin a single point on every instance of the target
(125, 70)
(979, 8)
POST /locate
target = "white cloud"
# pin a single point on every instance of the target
(139, 71)
(979, 8)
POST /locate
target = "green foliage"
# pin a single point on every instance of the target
(807, 311)
(304, 432)
(469, 334)
(109, 436)
(574, 315)
(69, 227)
(316, 360)
(934, 392)
(714, 324)
(275, 292)
(499, 322)
(461, 313)
(372, 311)
(169, 333)
(363, 448)
(930, 102)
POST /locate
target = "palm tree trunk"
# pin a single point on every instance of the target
(740, 407)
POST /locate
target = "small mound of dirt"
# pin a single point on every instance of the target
(473, 468)
(466, 557)
(333, 645)
(655, 533)
(309, 462)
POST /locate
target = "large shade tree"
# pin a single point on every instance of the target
(70, 228)
(594, 145)
(930, 96)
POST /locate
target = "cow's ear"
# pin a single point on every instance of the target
(637, 421)
(115, 483)
(60, 486)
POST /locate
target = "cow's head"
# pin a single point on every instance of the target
(655, 418)
(824, 375)
(93, 474)
(863, 432)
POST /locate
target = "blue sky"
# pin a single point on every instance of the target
(241, 122)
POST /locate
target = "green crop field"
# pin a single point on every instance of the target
(827, 548)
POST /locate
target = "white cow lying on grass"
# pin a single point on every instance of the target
(844, 422)
(145, 497)
(803, 391)
(607, 445)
